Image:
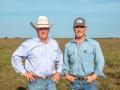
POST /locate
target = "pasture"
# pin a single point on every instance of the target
(9, 80)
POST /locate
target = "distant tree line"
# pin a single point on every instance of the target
(6, 37)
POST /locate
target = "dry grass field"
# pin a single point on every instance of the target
(9, 80)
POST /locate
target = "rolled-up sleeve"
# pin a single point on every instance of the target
(99, 61)
(17, 58)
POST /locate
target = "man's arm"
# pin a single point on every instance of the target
(17, 57)
(66, 68)
(59, 60)
(99, 61)
(17, 63)
(99, 64)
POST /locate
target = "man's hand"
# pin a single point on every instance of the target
(70, 77)
(30, 76)
(56, 77)
(91, 78)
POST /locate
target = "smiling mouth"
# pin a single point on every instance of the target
(79, 32)
(43, 33)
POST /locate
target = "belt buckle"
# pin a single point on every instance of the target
(44, 77)
(81, 78)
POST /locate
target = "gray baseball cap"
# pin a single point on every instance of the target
(79, 22)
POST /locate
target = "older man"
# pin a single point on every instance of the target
(83, 59)
(43, 58)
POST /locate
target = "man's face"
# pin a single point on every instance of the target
(79, 31)
(43, 32)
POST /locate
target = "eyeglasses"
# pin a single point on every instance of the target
(43, 28)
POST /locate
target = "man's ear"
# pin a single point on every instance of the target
(74, 29)
(36, 29)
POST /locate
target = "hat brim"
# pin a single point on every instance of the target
(41, 25)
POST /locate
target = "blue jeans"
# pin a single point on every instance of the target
(42, 84)
(83, 85)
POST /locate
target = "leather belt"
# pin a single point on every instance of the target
(83, 78)
(42, 77)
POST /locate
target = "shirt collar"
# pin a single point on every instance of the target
(39, 40)
(73, 40)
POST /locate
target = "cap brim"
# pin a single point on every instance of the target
(80, 25)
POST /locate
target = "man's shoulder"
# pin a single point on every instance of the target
(52, 40)
(68, 44)
(53, 43)
(92, 41)
(30, 41)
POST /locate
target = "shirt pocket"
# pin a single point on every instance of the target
(33, 59)
(88, 54)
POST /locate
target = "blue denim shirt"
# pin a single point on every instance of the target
(40, 59)
(83, 59)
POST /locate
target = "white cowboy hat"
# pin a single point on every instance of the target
(41, 22)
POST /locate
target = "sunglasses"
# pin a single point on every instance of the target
(80, 26)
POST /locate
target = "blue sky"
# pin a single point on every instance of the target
(102, 17)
